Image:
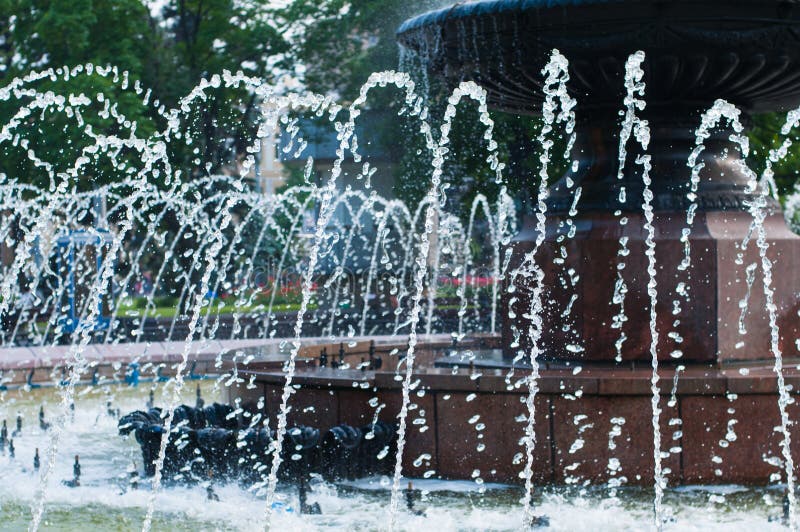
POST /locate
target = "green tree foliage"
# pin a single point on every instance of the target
(40, 34)
(341, 42)
(765, 135)
(207, 37)
(168, 52)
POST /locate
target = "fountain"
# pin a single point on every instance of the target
(636, 334)
(656, 355)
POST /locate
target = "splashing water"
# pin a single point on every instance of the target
(402, 81)
(209, 213)
(472, 91)
(215, 242)
(555, 88)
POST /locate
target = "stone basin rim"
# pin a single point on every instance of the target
(461, 10)
(744, 51)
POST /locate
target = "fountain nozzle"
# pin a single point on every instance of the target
(133, 476)
(410, 498)
(76, 474)
(305, 508)
(210, 495)
(44, 425)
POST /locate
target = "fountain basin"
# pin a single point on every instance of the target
(105, 503)
(47, 365)
(716, 423)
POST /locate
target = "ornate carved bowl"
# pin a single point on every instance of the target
(745, 51)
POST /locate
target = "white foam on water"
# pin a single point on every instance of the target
(358, 505)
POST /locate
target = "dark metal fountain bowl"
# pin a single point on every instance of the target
(745, 51)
